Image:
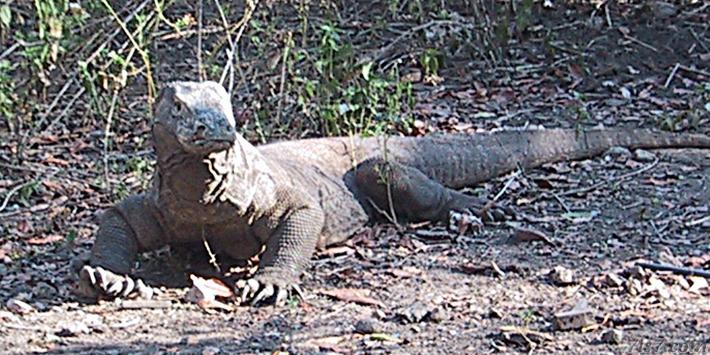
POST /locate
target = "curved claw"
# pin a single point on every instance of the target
(249, 288)
(281, 297)
(299, 292)
(144, 291)
(97, 281)
(492, 212)
(265, 292)
(256, 292)
(128, 286)
(486, 211)
(114, 288)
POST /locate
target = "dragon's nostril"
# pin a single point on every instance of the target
(200, 129)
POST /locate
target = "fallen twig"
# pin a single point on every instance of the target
(507, 185)
(693, 70)
(67, 107)
(671, 75)
(698, 221)
(641, 43)
(613, 179)
(12, 192)
(607, 15)
(9, 51)
(500, 193)
(680, 270)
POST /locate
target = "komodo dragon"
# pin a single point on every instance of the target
(295, 196)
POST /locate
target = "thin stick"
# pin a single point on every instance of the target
(382, 212)
(617, 178)
(562, 203)
(284, 64)
(698, 221)
(383, 51)
(693, 70)
(143, 53)
(88, 60)
(229, 66)
(608, 16)
(169, 36)
(242, 24)
(641, 43)
(12, 192)
(680, 270)
(9, 51)
(199, 40)
(66, 109)
(390, 200)
(107, 132)
(671, 75)
(507, 185)
(59, 96)
(213, 257)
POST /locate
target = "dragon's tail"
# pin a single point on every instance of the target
(467, 159)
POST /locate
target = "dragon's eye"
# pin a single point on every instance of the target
(179, 107)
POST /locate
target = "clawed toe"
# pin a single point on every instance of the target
(95, 282)
(496, 213)
(256, 293)
(474, 217)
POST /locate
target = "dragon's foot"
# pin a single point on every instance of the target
(461, 222)
(266, 290)
(492, 212)
(487, 211)
(97, 282)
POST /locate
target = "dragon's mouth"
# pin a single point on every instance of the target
(205, 145)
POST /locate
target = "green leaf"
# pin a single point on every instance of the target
(366, 71)
(5, 15)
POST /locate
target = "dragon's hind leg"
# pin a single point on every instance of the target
(408, 194)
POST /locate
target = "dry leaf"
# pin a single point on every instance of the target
(331, 343)
(339, 250)
(57, 161)
(212, 286)
(45, 240)
(354, 295)
(53, 186)
(699, 283)
(19, 307)
(659, 182)
(529, 235)
(407, 271)
(205, 291)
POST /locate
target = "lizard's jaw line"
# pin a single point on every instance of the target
(207, 146)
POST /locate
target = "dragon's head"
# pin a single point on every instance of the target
(198, 115)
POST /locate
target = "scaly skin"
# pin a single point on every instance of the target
(292, 197)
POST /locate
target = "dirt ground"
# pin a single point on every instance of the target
(580, 227)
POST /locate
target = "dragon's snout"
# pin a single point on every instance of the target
(208, 131)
